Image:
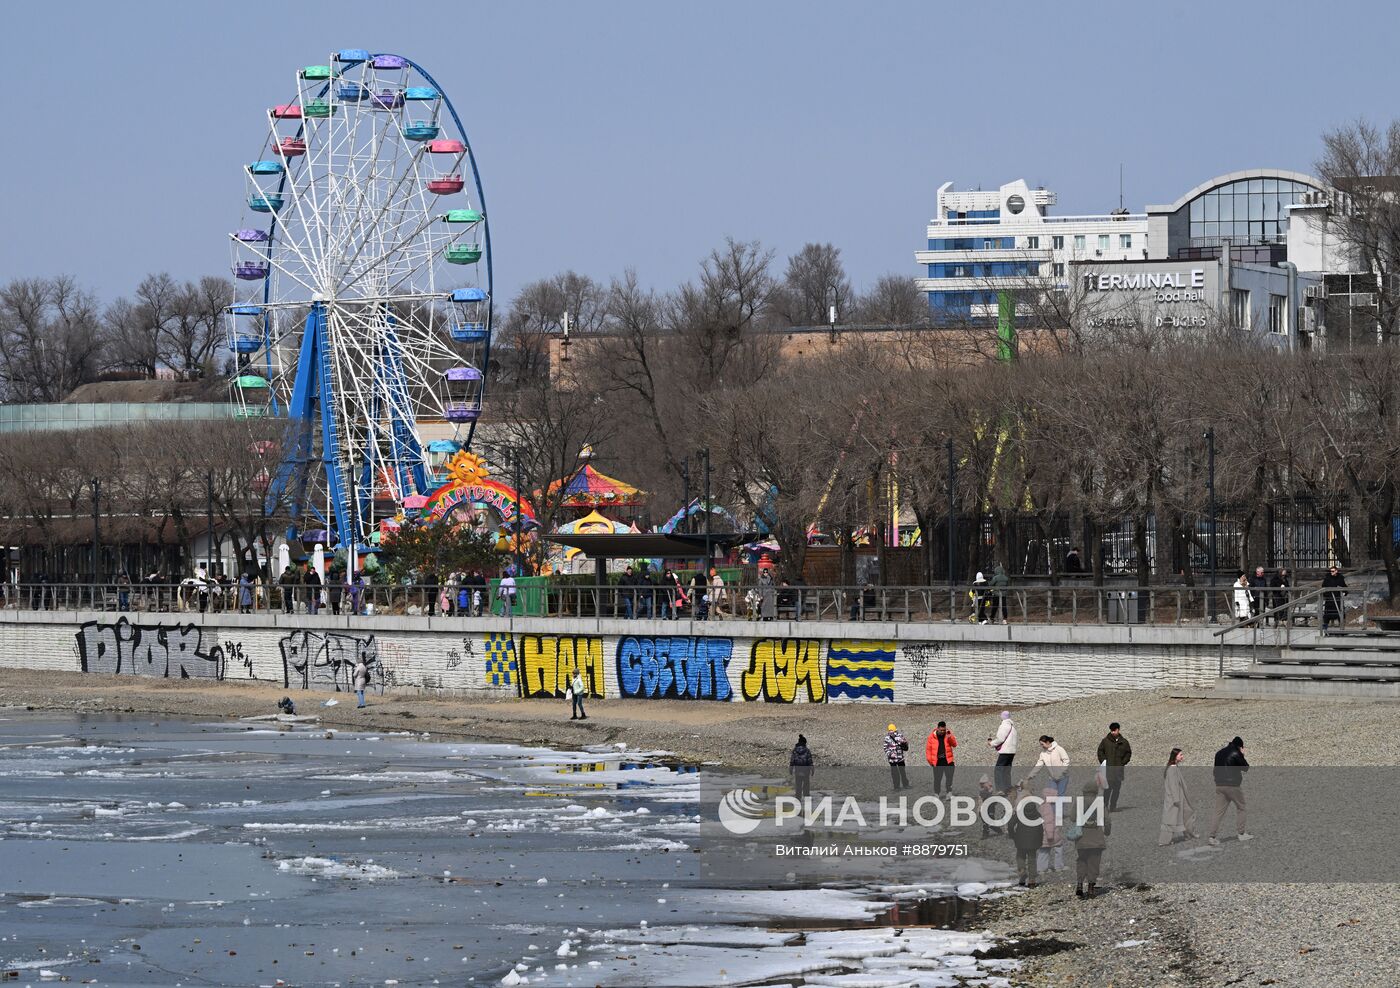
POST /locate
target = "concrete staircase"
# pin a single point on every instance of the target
(1364, 665)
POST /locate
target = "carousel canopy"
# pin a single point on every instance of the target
(649, 545)
(592, 524)
(589, 488)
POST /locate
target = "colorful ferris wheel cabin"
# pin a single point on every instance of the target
(462, 216)
(290, 147)
(446, 146)
(352, 55)
(287, 111)
(420, 93)
(265, 204)
(421, 131)
(446, 185)
(468, 332)
(389, 62)
(469, 295)
(250, 271)
(316, 72)
(255, 394)
(351, 93)
(387, 99)
(462, 394)
(463, 253)
(265, 167)
(249, 236)
(318, 108)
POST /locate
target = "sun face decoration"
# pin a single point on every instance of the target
(467, 469)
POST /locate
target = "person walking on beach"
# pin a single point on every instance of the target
(576, 688)
(1027, 833)
(1090, 843)
(1004, 744)
(895, 747)
(1055, 760)
(800, 765)
(1230, 766)
(361, 680)
(1177, 815)
(939, 752)
(1114, 752)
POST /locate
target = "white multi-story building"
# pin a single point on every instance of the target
(984, 242)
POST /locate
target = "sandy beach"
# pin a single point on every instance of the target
(1131, 936)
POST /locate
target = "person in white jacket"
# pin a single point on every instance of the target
(1244, 599)
(1055, 760)
(1004, 744)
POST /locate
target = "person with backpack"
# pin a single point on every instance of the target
(895, 747)
(800, 767)
(938, 750)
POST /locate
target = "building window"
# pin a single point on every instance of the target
(1032, 242)
(1125, 241)
(959, 271)
(1079, 241)
(1059, 270)
(1057, 243)
(1239, 308)
(1276, 310)
(1103, 241)
(989, 245)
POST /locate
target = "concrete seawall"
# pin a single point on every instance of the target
(738, 661)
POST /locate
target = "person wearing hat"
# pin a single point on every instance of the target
(939, 752)
(895, 747)
(1089, 846)
(1114, 754)
(1230, 766)
(1004, 744)
(800, 765)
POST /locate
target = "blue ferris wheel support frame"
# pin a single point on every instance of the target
(314, 385)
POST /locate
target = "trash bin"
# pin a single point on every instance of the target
(1123, 607)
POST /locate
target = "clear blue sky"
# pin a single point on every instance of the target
(641, 134)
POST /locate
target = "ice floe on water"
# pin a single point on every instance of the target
(333, 868)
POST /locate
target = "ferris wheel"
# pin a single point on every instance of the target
(364, 270)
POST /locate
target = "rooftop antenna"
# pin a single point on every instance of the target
(1120, 185)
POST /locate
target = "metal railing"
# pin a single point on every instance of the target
(1324, 603)
(1045, 605)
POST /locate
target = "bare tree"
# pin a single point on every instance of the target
(814, 283)
(188, 339)
(50, 338)
(894, 300)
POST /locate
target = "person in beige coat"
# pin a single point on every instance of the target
(1178, 817)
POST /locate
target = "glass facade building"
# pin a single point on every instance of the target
(1245, 211)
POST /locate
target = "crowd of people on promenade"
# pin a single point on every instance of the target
(1040, 833)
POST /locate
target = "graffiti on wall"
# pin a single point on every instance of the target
(548, 661)
(501, 669)
(314, 660)
(677, 667)
(920, 657)
(779, 667)
(860, 670)
(165, 651)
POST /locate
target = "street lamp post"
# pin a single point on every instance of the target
(704, 456)
(209, 523)
(952, 516)
(96, 533)
(516, 456)
(1210, 493)
(685, 495)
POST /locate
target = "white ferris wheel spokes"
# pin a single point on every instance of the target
(365, 273)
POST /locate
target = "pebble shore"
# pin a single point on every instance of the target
(1166, 934)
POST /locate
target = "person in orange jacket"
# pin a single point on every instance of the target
(939, 752)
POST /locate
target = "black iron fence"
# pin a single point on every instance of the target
(744, 601)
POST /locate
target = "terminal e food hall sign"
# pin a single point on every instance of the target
(1164, 286)
(1148, 281)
